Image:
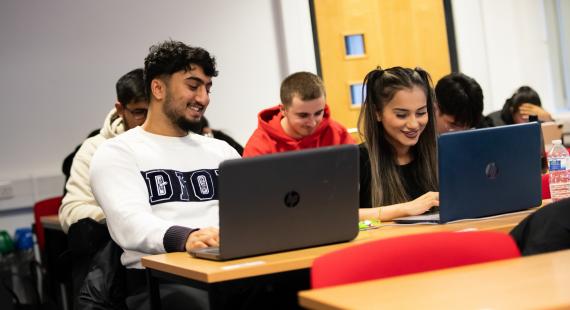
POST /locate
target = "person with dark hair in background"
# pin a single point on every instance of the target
(129, 111)
(80, 215)
(301, 121)
(203, 128)
(157, 183)
(459, 103)
(398, 160)
(524, 103)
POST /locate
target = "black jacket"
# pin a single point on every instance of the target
(97, 272)
(546, 230)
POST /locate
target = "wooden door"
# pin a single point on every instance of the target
(406, 33)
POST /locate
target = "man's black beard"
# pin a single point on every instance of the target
(188, 125)
(179, 120)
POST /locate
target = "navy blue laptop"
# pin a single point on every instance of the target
(486, 172)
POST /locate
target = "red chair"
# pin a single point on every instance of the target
(56, 270)
(545, 186)
(45, 207)
(410, 254)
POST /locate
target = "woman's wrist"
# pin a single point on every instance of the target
(379, 218)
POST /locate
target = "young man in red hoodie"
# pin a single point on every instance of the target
(301, 121)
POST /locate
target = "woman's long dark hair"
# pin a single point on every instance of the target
(524, 94)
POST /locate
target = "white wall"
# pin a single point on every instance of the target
(60, 59)
(504, 44)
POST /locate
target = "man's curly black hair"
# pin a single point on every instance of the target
(169, 57)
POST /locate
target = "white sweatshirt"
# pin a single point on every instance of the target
(156, 189)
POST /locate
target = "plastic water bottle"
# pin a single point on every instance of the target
(559, 174)
(6, 256)
(22, 278)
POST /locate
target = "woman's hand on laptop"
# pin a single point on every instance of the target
(422, 203)
(203, 238)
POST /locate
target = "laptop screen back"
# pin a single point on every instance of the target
(489, 171)
(550, 131)
(288, 200)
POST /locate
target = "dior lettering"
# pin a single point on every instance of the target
(202, 184)
(165, 185)
(183, 185)
(159, 185)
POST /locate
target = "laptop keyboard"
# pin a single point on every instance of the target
(434, 210)
(211, 250)
(424, 217)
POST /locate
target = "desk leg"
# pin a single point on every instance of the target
(153, 291)
(60, 284)
(215, 300)
(273, 291)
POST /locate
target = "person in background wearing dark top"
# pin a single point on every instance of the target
(68, 161)
(525, 102)
(398, 162)
(546, 230)
(459, 103)
(203, 128)
(80, 214)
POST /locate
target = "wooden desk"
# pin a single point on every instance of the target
(532, 282)
(51, 222)
(207, 274)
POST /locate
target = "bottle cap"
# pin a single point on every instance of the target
(557, 141)
(6, 244)
(23, 238)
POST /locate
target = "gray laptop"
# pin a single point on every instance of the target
(286, 201)
(486, 172)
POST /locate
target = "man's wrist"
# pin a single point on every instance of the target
(175, 238)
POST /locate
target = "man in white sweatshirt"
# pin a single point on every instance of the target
(130, 111)
(157, 183)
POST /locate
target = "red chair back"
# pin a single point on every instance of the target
(45, 207)
(546, 186)
(410, 254)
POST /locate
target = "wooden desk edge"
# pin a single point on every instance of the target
(51, 222)
(225, 271)
(212, 272)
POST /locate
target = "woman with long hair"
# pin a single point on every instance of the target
(398, 160)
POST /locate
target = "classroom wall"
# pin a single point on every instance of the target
(60, 59)
(505, 44)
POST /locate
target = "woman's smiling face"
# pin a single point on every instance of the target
(404, 118)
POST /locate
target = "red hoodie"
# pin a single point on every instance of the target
(269, 137)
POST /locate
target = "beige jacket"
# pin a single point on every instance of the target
(79, 202)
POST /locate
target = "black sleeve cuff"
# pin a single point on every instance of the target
(175, 238)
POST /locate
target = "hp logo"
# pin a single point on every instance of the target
(291, 199)
(491, 171)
